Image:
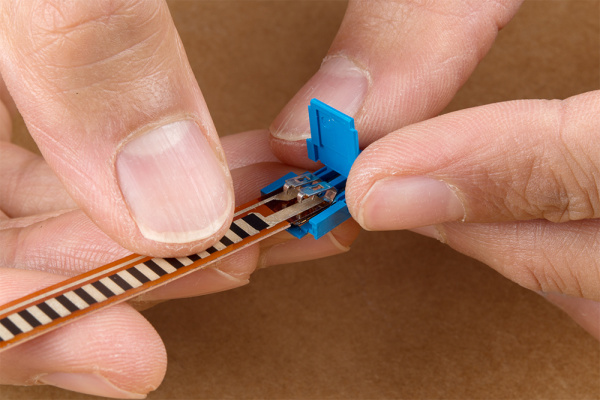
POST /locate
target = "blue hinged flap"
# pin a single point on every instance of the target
(334, 140)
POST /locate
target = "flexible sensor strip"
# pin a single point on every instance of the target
(52, 307)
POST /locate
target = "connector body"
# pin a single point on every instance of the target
(333, 142)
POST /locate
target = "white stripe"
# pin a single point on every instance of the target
(204, 254)
(44, 319)
(219, 246)
(147, 272)
(5, 333)
(59, 308)
(73, 285)
(92, 291)
(39, 315)
(113, 287)
(127, 277)
(20, 323)
(233, 237)
(164, 265)
(76, 300)
(246, 227)
(185, 261)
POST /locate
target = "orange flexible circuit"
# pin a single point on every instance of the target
(49, 308)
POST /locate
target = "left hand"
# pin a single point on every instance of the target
(44, 237)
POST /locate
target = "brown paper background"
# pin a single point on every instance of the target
(400, 316)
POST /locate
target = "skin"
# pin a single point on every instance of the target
(385, 53)
(463, 178)
(67, 212)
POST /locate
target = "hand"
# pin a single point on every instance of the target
(104, 88)
(49, 238)
(518, 178)
(110, 99)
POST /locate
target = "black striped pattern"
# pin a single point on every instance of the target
(96, 292)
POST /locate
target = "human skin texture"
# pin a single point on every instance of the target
(514, 185)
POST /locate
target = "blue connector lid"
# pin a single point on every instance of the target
(334, 140)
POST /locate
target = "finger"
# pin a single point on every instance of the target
(5, 115)
(540, 255)
(70, 243)
(247, 148)
(113, 353)
(509, 161)
(29, 186)
(284, 249)
(5, 124)
(558, 261)
(583, 311)
(66, 244)
(6, 102)
(393, 63)
(111, 101)
(235, 270)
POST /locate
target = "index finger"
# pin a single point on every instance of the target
(517, 160)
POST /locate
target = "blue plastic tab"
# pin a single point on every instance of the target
(334, 142)
(278, 184)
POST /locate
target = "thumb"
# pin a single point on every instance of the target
(108, 95)
(393, 63)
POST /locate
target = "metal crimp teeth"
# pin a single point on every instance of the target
(298, 181)
(319, 188)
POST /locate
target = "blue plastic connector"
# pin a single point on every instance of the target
(333, 142)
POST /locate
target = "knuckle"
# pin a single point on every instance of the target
(92, 49)
(544, 275)
(559, 181)
(579, 196)
(574, 175)
(64, 17)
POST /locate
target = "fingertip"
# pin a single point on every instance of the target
(7, 100)
(113, 105)
(88, 383)
(5, 123)
(431, 231)
(345, 234)
(293, 152)
(339, 82)
(394, 203)
(176, 188)
(585, 312)
(284, 249)
(247, 148)
(229, 273)
(88, 357)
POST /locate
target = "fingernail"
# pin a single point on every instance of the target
(93, 384)
(339, 83)
(174, 185)
(409, 202)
